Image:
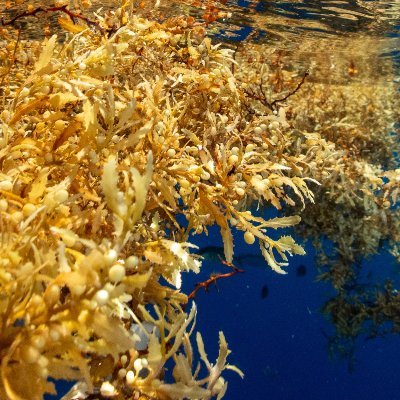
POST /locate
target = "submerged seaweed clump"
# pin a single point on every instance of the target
(343, 126)
(110, 138)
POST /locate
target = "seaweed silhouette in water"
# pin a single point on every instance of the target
(264, 292)
(301, 271)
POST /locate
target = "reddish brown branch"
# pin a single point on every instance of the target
(262, 98)
(213, 279)
(64, 9)
(293, 91)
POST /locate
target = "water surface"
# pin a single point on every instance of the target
(323, 35)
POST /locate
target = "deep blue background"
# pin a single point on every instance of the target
(279, 342)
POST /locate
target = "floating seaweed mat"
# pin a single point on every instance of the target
(109, 140)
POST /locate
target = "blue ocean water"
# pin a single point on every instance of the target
(280, 341)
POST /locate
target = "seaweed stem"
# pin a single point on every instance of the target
(214, 277)
(300, 84)
(262, 98)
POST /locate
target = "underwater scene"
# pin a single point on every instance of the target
(199, 199)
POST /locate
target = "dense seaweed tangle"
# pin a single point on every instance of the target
(111, 132)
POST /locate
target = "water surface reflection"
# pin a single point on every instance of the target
(311, 32)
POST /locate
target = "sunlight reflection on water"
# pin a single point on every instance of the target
(309, 31)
